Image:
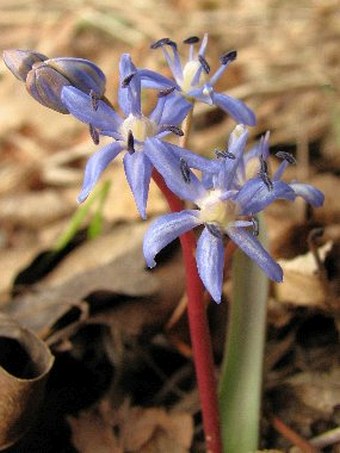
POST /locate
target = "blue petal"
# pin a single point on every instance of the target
(96, 165)
(236, 108)
(210, 262)
(236, 145)
(138, 170)
(174, 110)
(164, 230)
(151, 79)
(195, 160)
(129, 97)
(254, 196)
(310, 193)
(81, 106)
(167, 163)
(253, 248)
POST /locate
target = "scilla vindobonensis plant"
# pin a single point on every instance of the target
(225, 203)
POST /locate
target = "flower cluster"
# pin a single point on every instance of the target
(226, 199)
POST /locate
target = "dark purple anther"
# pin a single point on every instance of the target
(191, 40)
(185, 170)
(94, 100)
(163, 42)
(214, 230)
(224, 154)
(171, 128)
(94, 134)
(286, 156)
(228, 57)
(130, 143)
(127, 80)
(166, 92)
(204, 64)
(263, 173)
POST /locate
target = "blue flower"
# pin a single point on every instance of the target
(129, 133)
(193, 82)
(226, 205)
(260, 152)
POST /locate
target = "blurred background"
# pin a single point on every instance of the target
(287, 71)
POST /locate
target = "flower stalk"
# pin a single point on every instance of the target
(199, 329)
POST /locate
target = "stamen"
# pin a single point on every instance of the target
(286, 156)
(214, 230)
(126, 81)
(228, 57)
(130, 142)
(263, 165)
(256, 226)
(171, 128)
(163, 42)
(94, 99)
(94, 134)
(191, 40)
(263, 173)
(204, 64)
(185, 170)
(224, 154)
(166, 92)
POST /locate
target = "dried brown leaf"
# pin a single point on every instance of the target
(122, 272)
(11, 262)
(91, 431)
(155, 430)
(328, 184)
(301, 284)
(25, 362)
(320, 391)
(97, 252)
(35, 209)
(147, 430)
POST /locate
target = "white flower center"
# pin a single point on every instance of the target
(141, 128)
(216, 211)
(189, 72)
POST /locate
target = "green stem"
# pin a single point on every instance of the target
(241, 380)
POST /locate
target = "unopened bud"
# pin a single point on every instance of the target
(45, 78)
(20, 62)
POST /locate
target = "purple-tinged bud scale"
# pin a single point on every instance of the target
(20, 62)
(45, 78)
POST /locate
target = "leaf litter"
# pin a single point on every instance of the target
(121, 378)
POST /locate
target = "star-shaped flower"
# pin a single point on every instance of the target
(193, 81)
(129, 133)
(226, 205)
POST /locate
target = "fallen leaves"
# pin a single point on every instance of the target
(25, 362)
(302, 285)
(133, 429)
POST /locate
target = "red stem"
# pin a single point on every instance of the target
(199, 330)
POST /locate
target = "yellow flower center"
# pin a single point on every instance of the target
(189, 72)
(216, 211)
(141, 128)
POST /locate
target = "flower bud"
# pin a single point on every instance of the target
(45, 78)
(20, 62)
